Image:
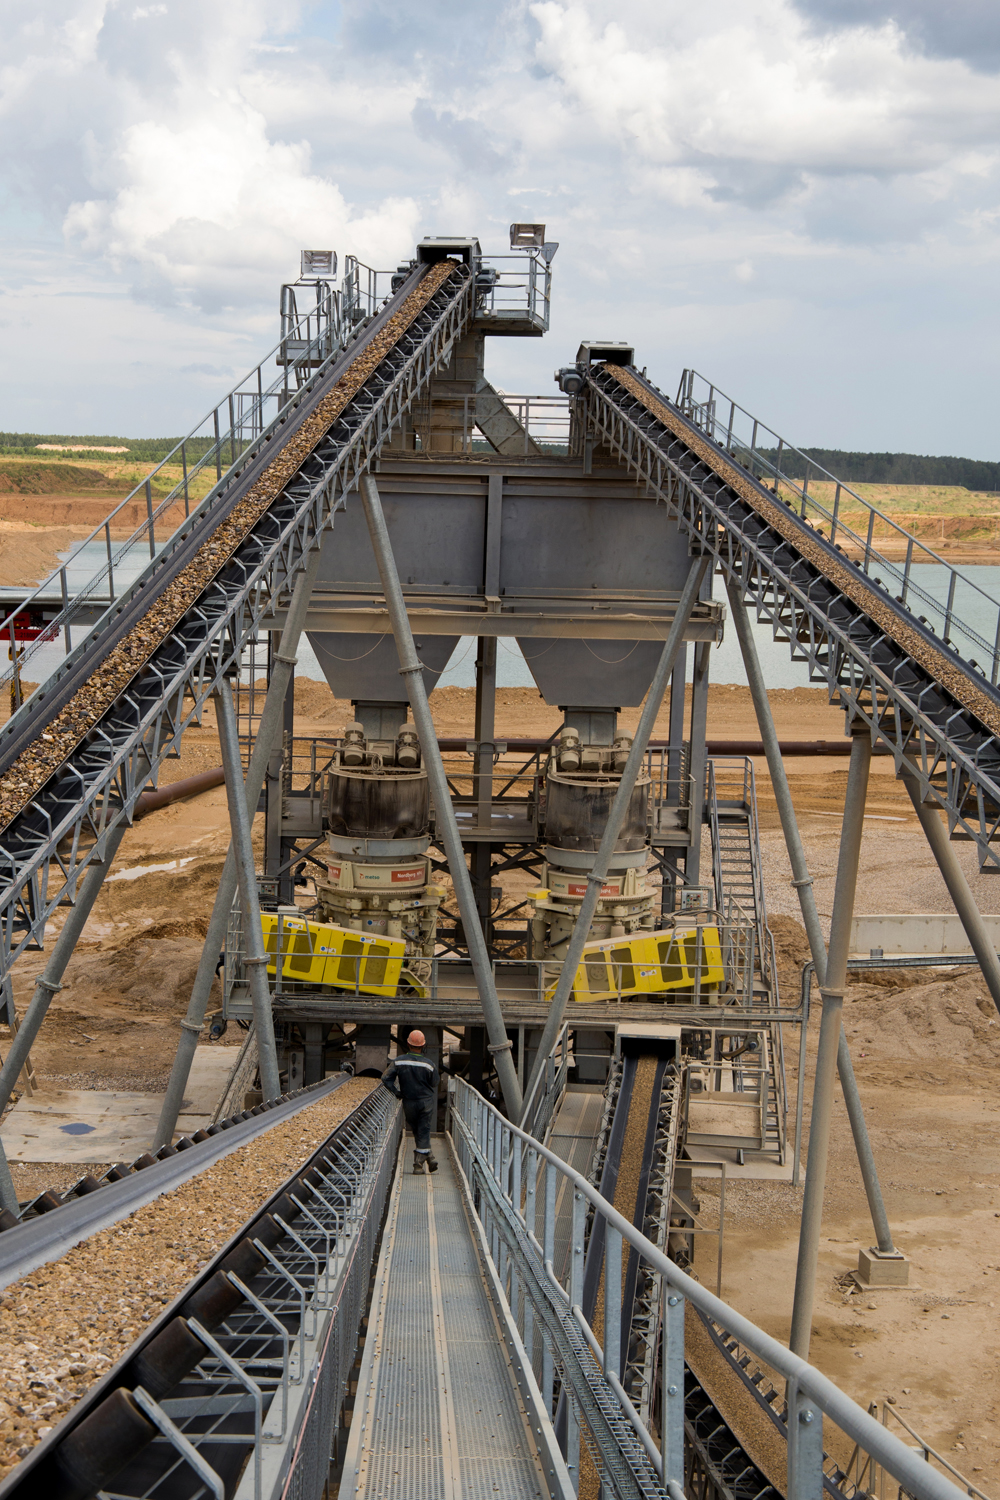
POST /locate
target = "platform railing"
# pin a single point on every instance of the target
(548, 1088)
(523, 287)
(524, 980)
(545, 419)
(514, 1184)
(853, 524)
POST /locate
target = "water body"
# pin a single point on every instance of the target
(979, 611)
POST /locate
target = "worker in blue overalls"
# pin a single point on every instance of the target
(413, 1078)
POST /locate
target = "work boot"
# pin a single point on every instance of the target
(418, 1163)
(432, 1165)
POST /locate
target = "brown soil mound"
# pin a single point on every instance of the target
(87, 512)
(54, 479)
(29, 554)
(146, 976)
(948, 1022)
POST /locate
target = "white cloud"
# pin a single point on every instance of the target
(709, 171)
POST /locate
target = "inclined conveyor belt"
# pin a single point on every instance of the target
(437, 1413)
(573, 1135)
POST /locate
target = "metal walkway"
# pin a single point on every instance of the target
(437, 1411)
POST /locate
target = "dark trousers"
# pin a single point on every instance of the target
(420, 1118)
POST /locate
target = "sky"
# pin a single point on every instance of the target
(798, 198)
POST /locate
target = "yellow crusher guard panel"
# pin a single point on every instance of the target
(319, 953)
(649, 965)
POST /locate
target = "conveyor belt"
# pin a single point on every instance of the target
(574, 1131)
(75, 752)
(437, 1412)
(937, 711)
(310, 1245)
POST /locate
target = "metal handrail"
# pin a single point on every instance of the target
(241, 418)
(547, 1088)
(762, 452)
(808, 1388)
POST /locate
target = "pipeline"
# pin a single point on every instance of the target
(451, 744)
(177, 791)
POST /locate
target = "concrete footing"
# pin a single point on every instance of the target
(882, 1268)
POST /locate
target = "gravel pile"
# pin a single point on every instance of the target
(959, 684)
(65, 1325)
(48, 751)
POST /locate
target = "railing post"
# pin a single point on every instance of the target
(805, 1446)
(184, 470)
(548, 1253)
(612, 1299)
(149, 518)
(906, 567)
(950, 606)
(868, 542)
(218, 449)
(836, 513)
(111, 569)
(64, 586)
(672, 1387)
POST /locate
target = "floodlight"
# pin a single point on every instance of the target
(321, 264)
(527, 236)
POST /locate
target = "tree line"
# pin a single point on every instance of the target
(148, 450)
(892, 468)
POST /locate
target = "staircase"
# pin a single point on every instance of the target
(732, 810)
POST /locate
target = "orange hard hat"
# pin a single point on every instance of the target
(416, 1039)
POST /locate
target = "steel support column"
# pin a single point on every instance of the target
(49, 984)
(412, 673)
(832, 993)
(485, 732)
(269, 727)
(699, 758)
(802, 881)
(626, 785)
(255, 956)
(958, 887)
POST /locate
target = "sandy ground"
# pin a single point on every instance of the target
(926, 1055)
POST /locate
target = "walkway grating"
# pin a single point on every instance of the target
(437, 1415)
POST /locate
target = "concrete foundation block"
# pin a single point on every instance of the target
(878, 1268)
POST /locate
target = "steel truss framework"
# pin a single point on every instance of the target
(48, 846)
(954, 757)
(642, 1362)
(257, 1411)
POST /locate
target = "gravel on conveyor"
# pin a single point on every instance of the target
(64, 1325)
(961, 685)
(739, 1408)
(60, 737)
(626, 1192)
